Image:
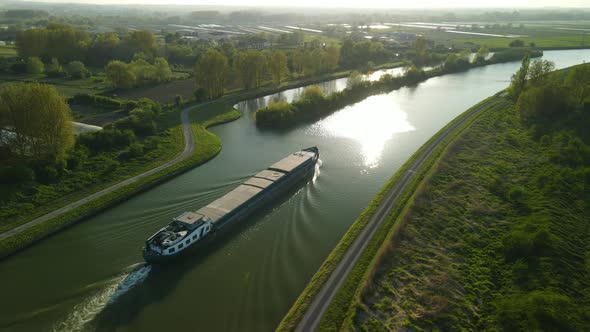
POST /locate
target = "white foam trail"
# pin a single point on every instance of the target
(316, 172)
(86, 311)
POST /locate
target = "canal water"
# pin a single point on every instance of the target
(91, 276)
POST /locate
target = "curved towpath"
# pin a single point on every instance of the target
(189, 148)
(321, 302)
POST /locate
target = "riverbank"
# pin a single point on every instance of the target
(345, 294)
(315, 105)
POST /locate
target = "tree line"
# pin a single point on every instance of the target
(64, 43)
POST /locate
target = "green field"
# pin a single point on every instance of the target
(542, 34)
(543, 42)
(7, 51)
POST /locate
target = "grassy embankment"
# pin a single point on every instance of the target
(493, 239)
(299, 308)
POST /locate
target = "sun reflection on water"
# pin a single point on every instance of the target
(371, 123)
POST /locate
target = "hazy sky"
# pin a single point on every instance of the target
(357, 3)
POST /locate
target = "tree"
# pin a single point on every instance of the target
(539, 69)
(210, 73)
(355, 79)
(578, 83)
(40, 119)
(106, 40)
(277, 65)
(482, 53)
(518, 80)
(55, 41)
(178, 101)
(77, 69)
(120, 74)
(54, 69)
(420, 46)
(297, 61)
(516, 43)
(332, 57)
(35, 65)
(143, 40)
(251, 66)
(162, 70)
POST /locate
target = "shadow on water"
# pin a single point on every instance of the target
(160, 280)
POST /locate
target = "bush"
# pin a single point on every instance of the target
(35, 65)
(516, 195)
(77, 69)
(141, 121)
(133, 151)
(54, 69)
(107, 140)
(77, 158)
(200, 94)
(539, 311)
(516, 43)
(152, 142)
(103, 102)
(110, 166)
(46, 174)
(16, 174)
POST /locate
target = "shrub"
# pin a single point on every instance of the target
(54, 69)
(133, 151)
(538, 311)
(152, 142)
(46, 174)
(200, 94)
(516, 43)
(141, 121)
(77, 158)
(16, 174)
(516, 195)
(110, 166)
(35, 65)
(77, 69)
(107, 140)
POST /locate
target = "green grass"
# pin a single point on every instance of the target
(299, 308)
(65, 86)
(7, 51)
(541, 42)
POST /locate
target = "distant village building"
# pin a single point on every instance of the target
(186, 32)
(254, 42)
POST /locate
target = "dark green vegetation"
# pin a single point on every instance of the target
(495, 237)
(314, 104)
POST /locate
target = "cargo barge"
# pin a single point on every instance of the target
(192, 228)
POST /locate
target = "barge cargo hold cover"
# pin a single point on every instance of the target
(191, 228)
